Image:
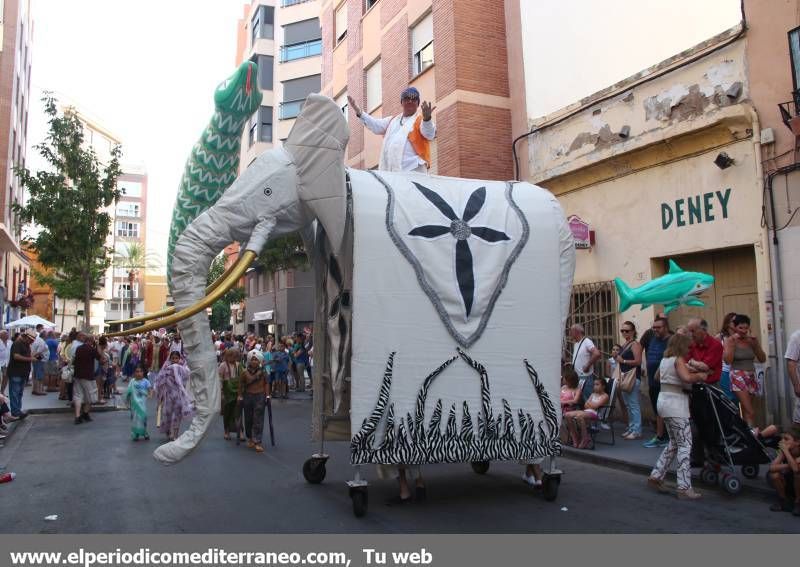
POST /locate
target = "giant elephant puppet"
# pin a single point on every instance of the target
(283, 191)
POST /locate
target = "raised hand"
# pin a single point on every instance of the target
(427, 110)
(354, 105)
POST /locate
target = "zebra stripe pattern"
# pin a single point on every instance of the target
(407, 440)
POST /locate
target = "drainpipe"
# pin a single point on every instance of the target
(774, 296)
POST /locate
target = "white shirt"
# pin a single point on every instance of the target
(671, 403)
(581, 354)
(397, 153)
(5, 352)
(40, 347)
(793, 348)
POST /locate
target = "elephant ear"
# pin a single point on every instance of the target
(317, 144)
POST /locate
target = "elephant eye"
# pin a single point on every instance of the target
(268, 192)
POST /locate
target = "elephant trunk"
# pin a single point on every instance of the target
(194, 252)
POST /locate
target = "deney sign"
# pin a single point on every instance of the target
(695, 210)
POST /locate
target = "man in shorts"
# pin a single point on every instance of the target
(793, 365)
(84, 392)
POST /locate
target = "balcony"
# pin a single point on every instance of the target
(301, 50)
(790, 113)
(291, 108)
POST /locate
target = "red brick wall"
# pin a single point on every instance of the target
(480, 39)
(444, 47)
(356, 89)
(389, 9)
(474, 141)
(395, 64)
(355, 9)
(326, 25)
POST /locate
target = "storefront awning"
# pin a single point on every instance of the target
(262, 316)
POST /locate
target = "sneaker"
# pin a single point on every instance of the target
(604, 426)
(688, 494)
(632, 436)
(529, 480)
(651, 443)
(78, 420)
(86, 417)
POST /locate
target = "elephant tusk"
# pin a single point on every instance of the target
(170, 310)
(225, 283)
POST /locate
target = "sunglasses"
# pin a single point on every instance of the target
(409, 99)
(626, 330)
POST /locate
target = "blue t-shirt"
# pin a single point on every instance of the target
(654, 354)
(52, 344)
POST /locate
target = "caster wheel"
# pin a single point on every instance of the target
(359, 498)
(709, 476)
(732, 484)
(480, 467)
(314, 471)
(750, 471)
(550, 487)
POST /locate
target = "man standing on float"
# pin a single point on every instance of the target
(406, 137)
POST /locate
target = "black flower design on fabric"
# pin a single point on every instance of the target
(461, 231)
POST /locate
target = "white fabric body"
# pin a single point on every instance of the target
(581, 354)
(391, 312)
(671, 404)
(397, 153)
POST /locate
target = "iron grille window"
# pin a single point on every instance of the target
(594, 305)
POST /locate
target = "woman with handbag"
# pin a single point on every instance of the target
(628, 375)
(740, 351)
(673, 407)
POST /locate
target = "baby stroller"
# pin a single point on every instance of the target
(727, 438)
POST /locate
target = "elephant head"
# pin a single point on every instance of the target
(282, 191)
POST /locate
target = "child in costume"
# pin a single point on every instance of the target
(173, 399)
(139, 389)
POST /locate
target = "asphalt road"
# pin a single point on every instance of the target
(97, 481)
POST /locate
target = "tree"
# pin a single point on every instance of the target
(221, 308)
(67, 203)
(284, 253)
(135, 258)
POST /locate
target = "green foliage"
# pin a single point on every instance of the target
(135, 258)
(285, 253)
(66, 204)
(221, 309)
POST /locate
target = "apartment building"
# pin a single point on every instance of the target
(15, 86)
(124, 292)
(453, 51)
(283, 37)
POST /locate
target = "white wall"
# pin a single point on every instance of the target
(578, 47)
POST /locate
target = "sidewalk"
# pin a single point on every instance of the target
(633, 457)
(50, 403)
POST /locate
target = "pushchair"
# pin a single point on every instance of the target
(728, 441)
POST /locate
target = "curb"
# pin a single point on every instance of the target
(69, 409)
(592, 457)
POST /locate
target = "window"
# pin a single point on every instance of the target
(261, 125)
(374, 90)
(124, 290)
(262, 24)
(369, 4)
(295, 92)
(340, 22)
(794, 54)
(285, 3)
(341, 102)
(265, 70)
(127, 229)
(126, 209)
(301, 39)
(131, 188)
(422, 44)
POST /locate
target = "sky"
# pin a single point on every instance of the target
(147, 69)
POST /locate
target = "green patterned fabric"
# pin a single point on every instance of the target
(214, 162)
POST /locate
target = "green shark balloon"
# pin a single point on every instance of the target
(672, 290)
